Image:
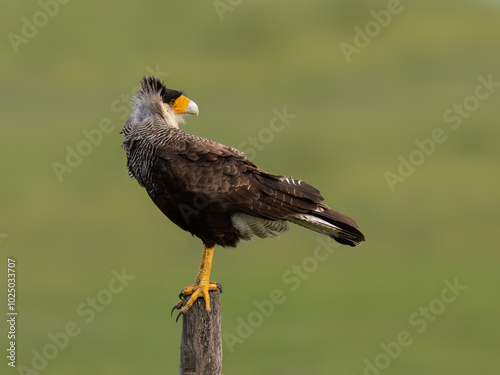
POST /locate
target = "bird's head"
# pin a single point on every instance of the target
(155, 101)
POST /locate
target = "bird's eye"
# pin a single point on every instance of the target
(172, 102)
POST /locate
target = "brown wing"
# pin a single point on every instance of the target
(232, 182)
(216, 181)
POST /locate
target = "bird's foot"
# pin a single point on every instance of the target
(195, 291)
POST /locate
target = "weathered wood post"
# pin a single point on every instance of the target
(201, 343)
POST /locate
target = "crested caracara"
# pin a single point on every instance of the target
(213, 191)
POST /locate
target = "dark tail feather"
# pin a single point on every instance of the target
(340, 227)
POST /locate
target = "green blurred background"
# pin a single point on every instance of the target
(353, 120)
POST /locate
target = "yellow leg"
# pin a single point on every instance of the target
(200, 272)
(202, 285)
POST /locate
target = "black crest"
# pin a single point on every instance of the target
(154, 85)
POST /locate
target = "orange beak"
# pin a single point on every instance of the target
(184, 105)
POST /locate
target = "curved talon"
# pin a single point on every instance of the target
(178, 316)
(218, 286)
(177, 306)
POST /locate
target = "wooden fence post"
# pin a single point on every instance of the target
(201, 343)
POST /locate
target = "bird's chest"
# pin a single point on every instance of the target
(177, 199)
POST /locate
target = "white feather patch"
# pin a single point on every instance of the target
(247, 226)
(314, 223)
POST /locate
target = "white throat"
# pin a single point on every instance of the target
(142, 112)
(171, 118)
